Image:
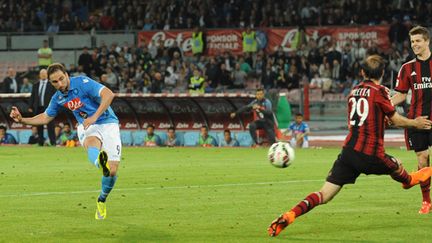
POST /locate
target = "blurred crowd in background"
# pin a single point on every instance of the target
(155, 68)
(84, 15)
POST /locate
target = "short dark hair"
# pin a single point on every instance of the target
(227, 130)
(420, 30)
(171, 128)
(2, 127)
(298, 114)
(55, 67)
(260, 89)
(150, 125)
(373, 67)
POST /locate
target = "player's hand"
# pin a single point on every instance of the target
(387, 121)
(423, 123)
(15, 114)
(255, 107)
(89, 121)
(232, 115)
(30, 110)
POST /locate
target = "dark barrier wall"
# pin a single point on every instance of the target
(136, 111)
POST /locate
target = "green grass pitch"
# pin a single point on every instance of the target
(198, 195)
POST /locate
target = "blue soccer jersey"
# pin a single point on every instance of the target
(83, 99)
(299, 128)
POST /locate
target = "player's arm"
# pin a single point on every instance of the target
(242, 109)
(107, 97)
(267, 108)
(305, 133)
(398, 98)
(40, 119)
(420, 122)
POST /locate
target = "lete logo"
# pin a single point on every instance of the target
(74, 104)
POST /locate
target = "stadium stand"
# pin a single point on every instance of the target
(141, 66)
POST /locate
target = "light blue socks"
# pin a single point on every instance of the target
(107, 185)
(93, 154)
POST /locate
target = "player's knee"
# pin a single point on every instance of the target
(92, 142)
(423, 158)
(113, 172)
(326, 198)
(113, 169)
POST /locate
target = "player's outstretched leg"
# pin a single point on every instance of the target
(418, 176)
(108, 183)
(312, 200)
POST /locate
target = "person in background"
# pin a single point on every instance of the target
(40, 97)
(172, 140)
(10, 83)
(196, 83)
(228, 141)
(299, 131)
(262, 108)
(44, 55)
(205, 140)
(34, 138)
(151, 139)
(68, 137)
(26, 86)
(198, 42)
(5, 137)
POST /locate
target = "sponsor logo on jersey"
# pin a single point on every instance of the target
(426, 83)
(83, 114)
(74, 104)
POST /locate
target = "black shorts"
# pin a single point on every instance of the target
(418, 140)
(350, 164)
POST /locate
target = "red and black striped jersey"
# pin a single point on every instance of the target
(368, 104)
(416, 75)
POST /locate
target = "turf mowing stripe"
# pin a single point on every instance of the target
(31, 194)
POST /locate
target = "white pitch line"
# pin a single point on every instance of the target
(31, 194)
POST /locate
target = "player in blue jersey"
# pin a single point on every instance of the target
(98, 129)
(299, 131)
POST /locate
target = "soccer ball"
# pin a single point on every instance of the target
(281, 155)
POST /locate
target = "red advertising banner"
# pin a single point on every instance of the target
(218, 41)
(222, 40)
(341, 35)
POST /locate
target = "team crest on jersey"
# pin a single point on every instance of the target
(74, 104)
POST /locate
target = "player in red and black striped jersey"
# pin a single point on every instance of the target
(363, 151)
(415, 75)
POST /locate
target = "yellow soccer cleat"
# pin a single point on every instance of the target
(100, 210)
(103, 163)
